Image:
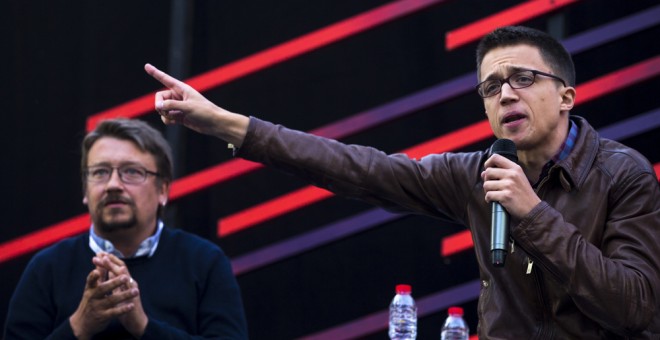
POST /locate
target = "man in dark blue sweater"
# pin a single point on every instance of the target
(129, 277)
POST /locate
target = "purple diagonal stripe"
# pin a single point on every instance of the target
(312, 239)
(632, 126)
(397, 108)
(377, 321)
(613, 30)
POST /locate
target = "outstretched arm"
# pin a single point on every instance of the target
(182, 104)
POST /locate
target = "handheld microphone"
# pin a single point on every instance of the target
(499, 225)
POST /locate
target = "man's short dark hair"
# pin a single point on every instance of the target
(145, 137)
(552, 51)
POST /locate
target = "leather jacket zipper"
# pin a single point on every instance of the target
(545, 331)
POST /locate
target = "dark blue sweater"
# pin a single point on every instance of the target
(187, 290)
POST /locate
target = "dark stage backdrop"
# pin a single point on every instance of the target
(66, 61)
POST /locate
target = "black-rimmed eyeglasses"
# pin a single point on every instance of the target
(518, 80)
(129, 174)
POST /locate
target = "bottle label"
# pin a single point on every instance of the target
(403, 322)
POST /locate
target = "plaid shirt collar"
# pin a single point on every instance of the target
(568, 144)
(147, 247)
(564, 150)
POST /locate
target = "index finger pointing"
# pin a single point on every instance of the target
(164, 78)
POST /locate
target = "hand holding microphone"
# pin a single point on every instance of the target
(499, 226)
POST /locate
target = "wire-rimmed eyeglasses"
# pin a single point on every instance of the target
(518, 80)
(129, 174)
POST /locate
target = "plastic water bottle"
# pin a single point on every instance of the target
(403, 315)
(455, 328)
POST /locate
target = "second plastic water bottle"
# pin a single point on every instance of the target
(403, 315)
(455, 327)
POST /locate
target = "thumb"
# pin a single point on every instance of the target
(174, 109)
(167, 105)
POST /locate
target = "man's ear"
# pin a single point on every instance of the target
(567, 98)
(164, 193)
(85, 201)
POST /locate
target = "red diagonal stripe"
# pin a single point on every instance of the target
(511, 16)
(274, 55)
(265, 211)
(43, 237)
(452, 141)
(456, 243)
(625, 77)
(466, 136)
(213, 175)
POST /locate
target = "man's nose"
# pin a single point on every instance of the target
(507, 93)
(114, 180)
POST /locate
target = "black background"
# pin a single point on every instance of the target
(64, 61)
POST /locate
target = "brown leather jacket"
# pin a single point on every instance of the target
(586, 263)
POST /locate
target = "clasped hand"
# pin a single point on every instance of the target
(109, 293)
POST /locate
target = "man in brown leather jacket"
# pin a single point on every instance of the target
(585, 211)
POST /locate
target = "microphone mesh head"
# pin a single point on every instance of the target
(506, 148)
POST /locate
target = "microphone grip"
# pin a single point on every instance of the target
(499, 234)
